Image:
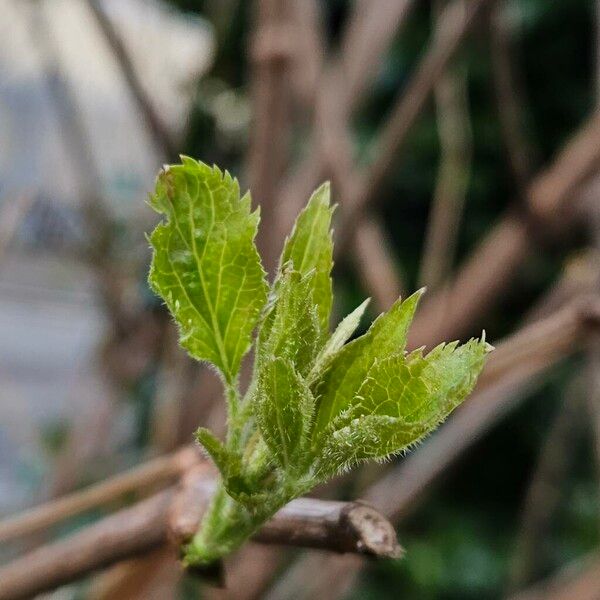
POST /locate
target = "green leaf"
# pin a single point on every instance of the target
(402, 399)
(310, 246)
(230, 466)
(205, 263)
(291, 330)
(339, 384)
(373, 437)
(284, 408)
(223, 459)
(339, 337)
(417, 388)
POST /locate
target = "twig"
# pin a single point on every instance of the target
(544, 491)
(270, 53)
(578, 581)
(455, 135)
(453, 26)
(156, 472)
(376, 267)
(370, 30)
(124, 534)
(478, 284)
(509, 98)
(550, 192)
(153, 575)
(307, 61)
(165, 145)
(338, 526)
(305, 522)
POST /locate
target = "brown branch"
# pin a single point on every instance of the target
(509, 97)
(153, 575)
(124, 534)
(373, 257)
(551, 191)
(337, 526)
(270, 52)
(454, 130)
(480, 281)
(307, 60)
(370, 31)
(165, 145)
(578, 581)
(159, 471)
(453, 26)
(376, 267)
(544, 491)
(305, 522)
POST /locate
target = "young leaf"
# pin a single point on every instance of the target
(223, 459)
(346, 372)
(284, 407)
(310, 246)
(205, 263)
(339, 337)
(402, 399)
(417, 388)
(373, 437)
(291, 330)
(229, 464)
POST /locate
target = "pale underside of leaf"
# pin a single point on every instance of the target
(373, 437)
(205, 263)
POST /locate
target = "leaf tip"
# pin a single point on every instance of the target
(486, 345)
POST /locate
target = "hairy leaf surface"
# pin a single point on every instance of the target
(402, 399)
(284, 407)
(310, 246)
(345, 374)
(371, 437)
(205, 263)
(291, 330)
(226, 463)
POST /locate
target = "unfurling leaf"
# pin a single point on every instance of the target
(310, 247)
(338, 338)
(222, 458)
(291, 329)
(284, 407)
(205, 264)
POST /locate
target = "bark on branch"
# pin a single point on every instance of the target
(174, 515)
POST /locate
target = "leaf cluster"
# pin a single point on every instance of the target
(317, 404)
